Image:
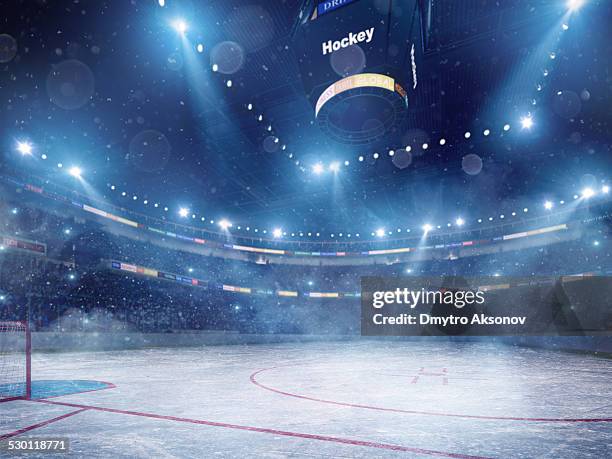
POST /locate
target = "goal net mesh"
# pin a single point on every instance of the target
(13, 360)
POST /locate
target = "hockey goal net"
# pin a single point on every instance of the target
(15, 350)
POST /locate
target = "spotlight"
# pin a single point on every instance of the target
(183, 212)
(380, 232)
(317, 168)
(588, 193)
(200, 48)
(180, 26)
(67, 231)
(75, 171)
(605, 189)
(427, 228)
(335, 166)
(190, 270)
(486, 132)
(277, 232)
(596, 243)
(527, 122)
(25, 148)
(575, 5)
(506, 127)
(224, 224)
(460, 221)
(548, 205)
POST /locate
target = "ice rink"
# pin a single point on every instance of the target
(337, 399)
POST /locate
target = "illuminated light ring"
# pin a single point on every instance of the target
(362, 80)
(372, 85)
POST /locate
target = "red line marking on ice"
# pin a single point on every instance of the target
(426, 413)
(41, 424)
(346, 441)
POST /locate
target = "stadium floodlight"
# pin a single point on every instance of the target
(183, 212)
(277, 232)
(335, 166)
(588, 193)
(605, 189)
(224, 224)
(317, 168)
(575, 5)
(180, 26)
(427, 228)
(460, 221)
(527, 122)
(380, 232)
(75, 171)
(25, 148)
(548, 205)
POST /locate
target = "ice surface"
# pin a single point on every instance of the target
(442, 397)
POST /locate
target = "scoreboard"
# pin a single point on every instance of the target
(359, 62)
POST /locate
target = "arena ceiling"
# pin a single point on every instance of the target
(482, 62)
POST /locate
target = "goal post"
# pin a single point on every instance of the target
(15, 361)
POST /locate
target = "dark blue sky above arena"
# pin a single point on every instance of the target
(218, 164)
